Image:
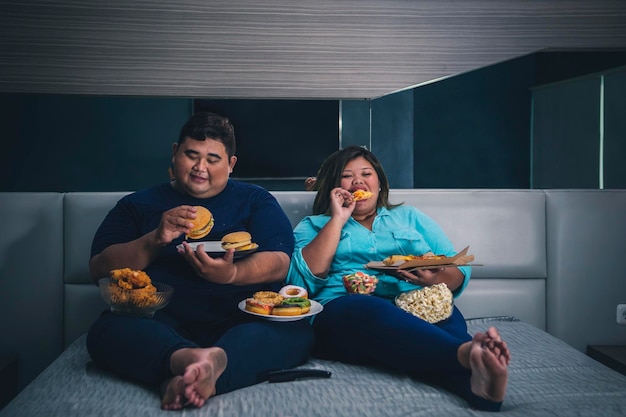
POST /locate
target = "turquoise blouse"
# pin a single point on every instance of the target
(402, 230)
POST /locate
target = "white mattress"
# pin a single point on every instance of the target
(547, 378)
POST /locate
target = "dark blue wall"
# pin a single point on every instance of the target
(78, 143)
(472, 130)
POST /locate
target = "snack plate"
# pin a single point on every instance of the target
(316, 308)
(214, 249)
(460, 259)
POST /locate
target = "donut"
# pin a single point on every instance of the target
(269, 297)
(293, 306)
(258, 306)
(263, 302)
(290, 291)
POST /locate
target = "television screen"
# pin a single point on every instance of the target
(279, 138)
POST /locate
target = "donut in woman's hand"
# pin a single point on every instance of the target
(293, 306)
(290, 291)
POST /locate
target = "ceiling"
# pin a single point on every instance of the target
(280, 48)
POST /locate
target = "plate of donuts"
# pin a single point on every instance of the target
(316, 308)
(290, 304)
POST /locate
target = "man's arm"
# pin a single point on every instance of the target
(136, 254)
(139, 253)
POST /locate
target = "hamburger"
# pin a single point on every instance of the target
(238, 241)
(202, 224)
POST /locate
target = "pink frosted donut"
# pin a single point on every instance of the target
(290, 291)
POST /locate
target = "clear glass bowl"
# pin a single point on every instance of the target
(139, 302)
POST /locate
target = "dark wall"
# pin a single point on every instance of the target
(615, 130)
(279, 138)
(472, 130)
(392, 137)
(79, 143)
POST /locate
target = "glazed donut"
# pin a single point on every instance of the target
(290, 291)
(293, 306)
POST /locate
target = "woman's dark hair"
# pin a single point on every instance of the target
(331, 171)
(205, 125)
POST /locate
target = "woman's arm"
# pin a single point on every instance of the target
(320, 252)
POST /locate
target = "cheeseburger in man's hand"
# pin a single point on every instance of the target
(202, 224)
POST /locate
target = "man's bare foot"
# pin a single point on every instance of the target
(173, 394)
(487, 356)
(196, 370)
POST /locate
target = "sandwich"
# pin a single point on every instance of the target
(361, 195)
(202, 224)
(238, 241)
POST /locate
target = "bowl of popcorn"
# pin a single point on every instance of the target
(360, 283)
(432, 304)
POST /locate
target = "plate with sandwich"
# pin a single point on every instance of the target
(240, 241)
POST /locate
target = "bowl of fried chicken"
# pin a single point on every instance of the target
(129, 291)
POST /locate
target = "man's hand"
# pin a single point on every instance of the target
(217, 270)
(174, 223)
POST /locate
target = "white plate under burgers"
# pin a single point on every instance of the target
(214, 248)
(316, 308)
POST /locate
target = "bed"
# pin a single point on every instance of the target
(529, 298)
(547, 378)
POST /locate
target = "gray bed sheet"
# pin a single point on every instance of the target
(547, 378)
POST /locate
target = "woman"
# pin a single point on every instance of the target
(341, 237)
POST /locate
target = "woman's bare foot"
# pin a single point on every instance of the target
(196, 370)
(487, 356)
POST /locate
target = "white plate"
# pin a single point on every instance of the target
(214, 248)
(316, 308)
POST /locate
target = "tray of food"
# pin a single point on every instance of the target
(425, 261)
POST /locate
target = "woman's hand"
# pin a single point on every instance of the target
(341, 204)
(421, 277)
(451, 276)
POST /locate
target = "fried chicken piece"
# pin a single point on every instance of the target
(130, 279)
(142, 294)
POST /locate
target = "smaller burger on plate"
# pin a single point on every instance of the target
(239, 241)
(202, 224)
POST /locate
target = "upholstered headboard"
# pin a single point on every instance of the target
(505, 231)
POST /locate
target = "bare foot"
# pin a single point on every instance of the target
(196, 370)
(487, 356)
(173, 394)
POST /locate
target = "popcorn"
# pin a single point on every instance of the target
(360, 283)
(432, 304)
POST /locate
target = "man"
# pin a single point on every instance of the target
(200, 344)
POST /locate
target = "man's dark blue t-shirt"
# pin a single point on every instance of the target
(241, 206)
